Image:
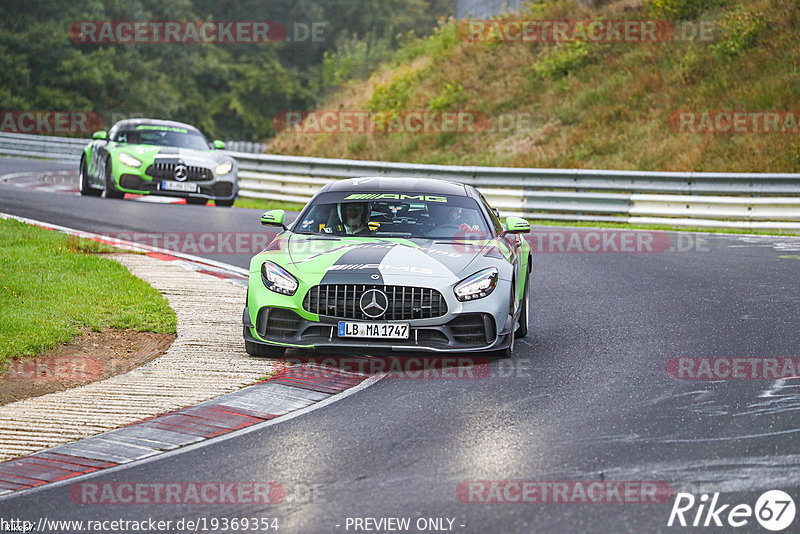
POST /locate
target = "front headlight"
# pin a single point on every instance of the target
(224, 168)
(277, 279)
(477, 286)
(129, 160)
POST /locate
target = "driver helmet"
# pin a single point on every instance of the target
(354, 216)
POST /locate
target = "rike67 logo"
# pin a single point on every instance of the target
(774, 510)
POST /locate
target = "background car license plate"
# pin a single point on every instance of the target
(183, 187)
(373, 330)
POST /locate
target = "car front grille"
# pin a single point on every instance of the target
(342, 302)
(166, 171)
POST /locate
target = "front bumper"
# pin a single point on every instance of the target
(216, 189)
(470, 332)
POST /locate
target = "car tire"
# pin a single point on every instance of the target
(196, 201)
(263, 351)
(503, 353)
(522, 331)
(86, 189)
(225, 203)
(111, 188)
(506, 352)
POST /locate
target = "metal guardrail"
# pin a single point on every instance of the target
(246, 146)
(741, 200)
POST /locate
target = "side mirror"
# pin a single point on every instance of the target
(273, 218)
(517, 225)
(219, 145)
(100, 134)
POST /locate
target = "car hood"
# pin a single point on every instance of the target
(168, 154)
(385, 261)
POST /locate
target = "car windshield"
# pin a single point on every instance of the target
(162, 136)
(450, 218)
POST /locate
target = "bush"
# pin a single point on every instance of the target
(354, 59)
(438, 46)
(743, 30)
(679, 9)
(451, 97)
(393, 95)
(560, 60)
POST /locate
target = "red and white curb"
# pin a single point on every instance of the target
(293, 390)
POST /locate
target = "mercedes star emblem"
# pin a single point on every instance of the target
(181, 172)
(374, 303)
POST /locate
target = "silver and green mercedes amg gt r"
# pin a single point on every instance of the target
(376, 265)
(156, 157)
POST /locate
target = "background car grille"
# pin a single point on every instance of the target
(342, 302)
(166, 171)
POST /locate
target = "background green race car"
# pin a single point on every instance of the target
(148, 156)
(390, 264)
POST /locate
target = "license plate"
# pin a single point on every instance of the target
(373, 330)
(183, 187)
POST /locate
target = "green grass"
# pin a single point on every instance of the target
(264, 204)
(51, 288)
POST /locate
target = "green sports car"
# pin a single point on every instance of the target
(390, 264)
(156, 157)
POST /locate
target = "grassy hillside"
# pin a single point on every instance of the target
(585, 104)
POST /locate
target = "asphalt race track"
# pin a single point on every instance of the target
(586, 397)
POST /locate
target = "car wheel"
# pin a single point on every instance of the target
(263, 351)
(225, 203)
(522, 331)
(111, 188)
(86, 189)
(196, 201)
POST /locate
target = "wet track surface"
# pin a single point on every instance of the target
(586, 396)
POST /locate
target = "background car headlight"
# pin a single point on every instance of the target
(129, 160)
(224, 168)
(477, 286)
(277, 279)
